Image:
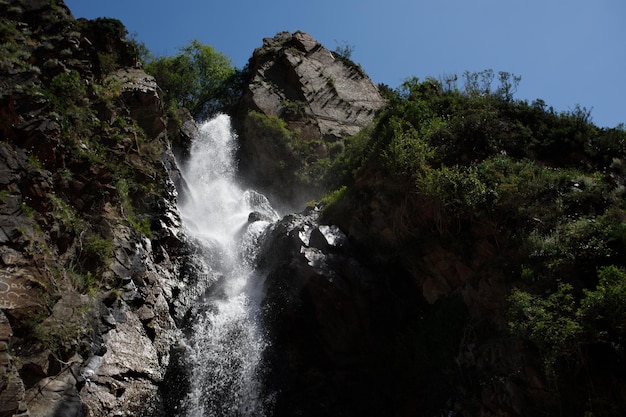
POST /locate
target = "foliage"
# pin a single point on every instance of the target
(272, 126)
(332, 199)
(603, 309)
(140, 50)
(407, 152)
(480, 84)
(459, 188)
(432, 129)
(198, 78)
(65, 213)
(344, 50)
(450, 163)
(67, 90)
(357, 150)
(142, 225)
(548, 322)
(558, 323)
(296, 160)
(93, 255)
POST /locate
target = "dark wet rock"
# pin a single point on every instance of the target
(322, 311)
(256, 216)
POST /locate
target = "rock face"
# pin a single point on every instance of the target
(92, 257)
(340, 330)
(318, 321)
(380, 315)
(319, 93)
(305, 100)
(11, 385)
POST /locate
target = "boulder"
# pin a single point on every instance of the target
(328, 323)
(130, 351)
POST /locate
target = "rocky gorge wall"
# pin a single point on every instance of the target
(360, 322)
(97, 279)
(383, 307)
(92, 291)
(390, 302)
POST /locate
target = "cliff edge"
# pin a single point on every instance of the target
(299, 103)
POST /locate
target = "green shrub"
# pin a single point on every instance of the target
(558, 323)
(96, 252)
(67, 89)
(66, 214)
(273, 128)
(108, 62)
(84, 283)
(333, 197)
(345, 165)
(128, 211)
(406, 153)
(603, 309)
(458, 188)
(549, 322)
(198, 78)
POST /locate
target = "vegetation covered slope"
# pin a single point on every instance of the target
(509, 220)
(496, 226)
(516, 213)
(85, 197)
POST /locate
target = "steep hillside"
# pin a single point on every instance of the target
(89, 243)
(481, 268)
(498, 227)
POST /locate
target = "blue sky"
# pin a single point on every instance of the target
(567, 52)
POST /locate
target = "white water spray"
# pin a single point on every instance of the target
(226, 341)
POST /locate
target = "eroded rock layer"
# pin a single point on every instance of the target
(90, 242)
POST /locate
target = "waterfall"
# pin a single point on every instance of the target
(226, 340)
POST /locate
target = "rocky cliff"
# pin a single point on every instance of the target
(97, 279)
(453, 274)
(389, 301)
(460, 286)
(299, 103)
(90, 245)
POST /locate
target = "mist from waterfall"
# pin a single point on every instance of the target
(226, 341)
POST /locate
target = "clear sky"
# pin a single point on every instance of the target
(567, 52)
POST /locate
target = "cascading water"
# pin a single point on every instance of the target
(226, 341)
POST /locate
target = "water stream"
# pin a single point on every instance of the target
(226, 221)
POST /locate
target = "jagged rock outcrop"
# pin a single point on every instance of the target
(319, 93)
(301, 100)
(323, 355)
(91, 251)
